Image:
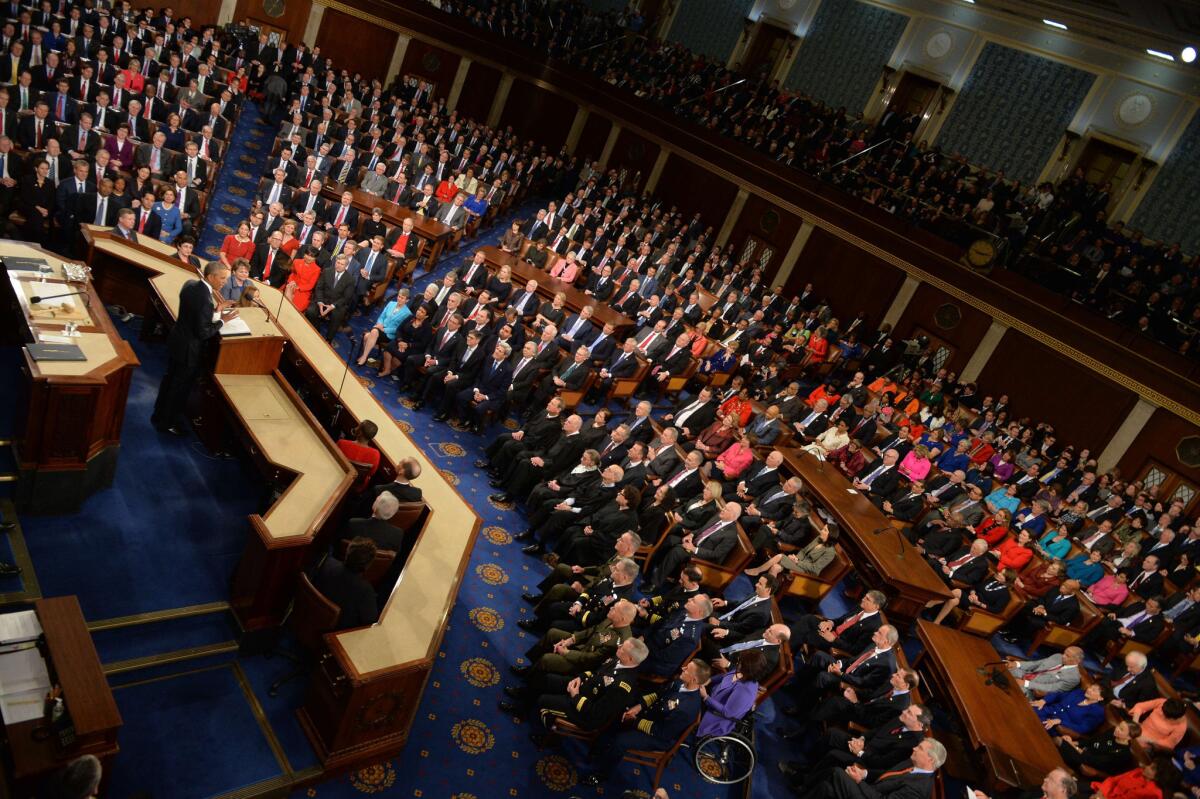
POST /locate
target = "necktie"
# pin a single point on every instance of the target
(267, 266)
(677, 479)
(871, 477)
(896, 773)
(100, 203)
(745, 604)
(743, 646)
(848, 623)
(861, 659)
(711, 530)
(1136, 620)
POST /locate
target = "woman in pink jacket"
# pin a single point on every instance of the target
(565, 269)
(734, 460)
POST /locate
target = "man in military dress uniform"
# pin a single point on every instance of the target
(566, 581)
(594, 699)
(655, 608)
(659, 720)
(562, 652)
(676, 637)
(591, 606)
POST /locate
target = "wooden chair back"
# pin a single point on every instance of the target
(312, 615)
(363, 470)
(623, 388)
(380, 565)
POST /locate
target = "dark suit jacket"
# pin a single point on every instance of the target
(381, 532)
(194, 325)
(747, 621)
(340, 295)
(493, 381)
(688, 487)
(1141, 688)
(1149, 628)
(717, 546)
(350, 592)
(86, 209)
(872, 672)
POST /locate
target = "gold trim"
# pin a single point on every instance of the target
(166, 658)
(8, 478)
(157, 615)
(162, 677)
(261, 717)
(1189, 415)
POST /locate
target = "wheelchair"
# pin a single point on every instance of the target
(727, 759)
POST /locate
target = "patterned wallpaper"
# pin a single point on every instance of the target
(1170, 211)
(1013, 110)
(843, 55)
(711, 27)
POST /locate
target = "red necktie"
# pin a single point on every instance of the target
(142, 223)
(896, 773)
(267, 267)
(341, 217)
(860, 660)
(308, 180)
(848, 623)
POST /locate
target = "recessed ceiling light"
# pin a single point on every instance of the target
(1054, 24)
(1160, 54)
(1188, 55)
(972, 2)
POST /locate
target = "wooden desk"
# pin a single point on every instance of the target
(376, 673)
(1001, 726)
(523, 272)
(71, 412)
(435, 234)
(75, 666)
(905, 576)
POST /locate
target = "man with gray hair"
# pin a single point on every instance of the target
(589, 607)
(878, 749)
(80, 779)
(865, 673)
(378, 528)
(676, 637)
(594, 701)
(473, 404)
(912, 778)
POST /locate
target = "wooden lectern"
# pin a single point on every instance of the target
(71, 412)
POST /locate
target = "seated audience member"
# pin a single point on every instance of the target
(1075, 713)
(343, 584)
(361, 450)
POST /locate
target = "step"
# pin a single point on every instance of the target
(160, 665)
(133, 639)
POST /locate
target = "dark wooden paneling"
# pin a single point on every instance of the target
(202, 12)
(1044, 385)
(764, 221)
(356, 44)
(634, 153)
(693, 188)
(1158, 440)
(538, 114)
(431, 63)
(923, 311)
(294, 18)
(851, 279)
(595, 134)
(475, 100)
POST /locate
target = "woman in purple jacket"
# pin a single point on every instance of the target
(728, 698)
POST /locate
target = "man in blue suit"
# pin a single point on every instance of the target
(577, 331)
(675, 638)
(488, 392)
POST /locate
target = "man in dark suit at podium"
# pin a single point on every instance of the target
(199, 306)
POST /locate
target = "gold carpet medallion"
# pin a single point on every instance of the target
(501, 505)
(451, 450)
(449, 476)
(374, 779)
(480, 672)
(497, 535)
(472, 736)
(491, 574)
(557, 772)
(486, 619)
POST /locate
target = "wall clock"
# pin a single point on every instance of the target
(1135, 109)
(939, 44)
(274, 8)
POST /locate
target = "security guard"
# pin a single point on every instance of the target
(659, 720)
(561, 652)
(592, 605)
(675, 638)
(594, 699)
